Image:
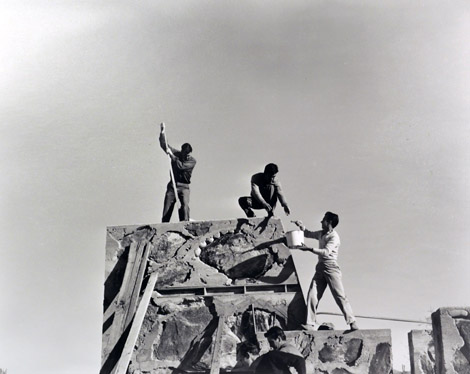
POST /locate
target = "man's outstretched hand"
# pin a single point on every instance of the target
(302, 247)
(299, 224)
(162, 127)
(287, 210)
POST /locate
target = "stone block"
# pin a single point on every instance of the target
(422, 353)
(342, 352)
(451, 332)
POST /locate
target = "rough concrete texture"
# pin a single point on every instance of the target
(236, 274)
(451, 332)
(238, 256)
(422, 353)
(179, 332)
(210, 253)
(342, 352)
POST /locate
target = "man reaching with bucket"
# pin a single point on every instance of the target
(327, 271)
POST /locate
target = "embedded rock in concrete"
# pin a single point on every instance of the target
(238, 256)
(381, 361)
(201, 260)
(179, 332)
(422, 355)
(451, 332)
(335, 352)
(173, 272)
(219, 283)
(206, 254)
(166, 245)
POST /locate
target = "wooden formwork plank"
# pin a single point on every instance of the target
(119, 314)
(215, 362)
(132, 289)
(129, 291)
(126, 355)
(139, 276)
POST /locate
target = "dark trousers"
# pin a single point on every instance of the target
(170, 200)
(247, 203)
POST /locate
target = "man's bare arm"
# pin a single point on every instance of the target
(257, 195)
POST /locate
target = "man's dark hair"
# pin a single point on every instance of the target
(274, 333)
(186, 148)
(271, 169)
(247, 347)
(332, 218)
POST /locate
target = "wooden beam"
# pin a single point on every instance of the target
(121, 305)
(139, 276)
(129, 292)
(215, 362)
(123, 363)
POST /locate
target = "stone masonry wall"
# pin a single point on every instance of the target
(342, 352)
(179, 332)
(451, 330)
(422, 352)
(235, 277)
(241, 265)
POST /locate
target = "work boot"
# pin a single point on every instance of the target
(326, 326)
(353, 326)
(308, 327)
(249, 213)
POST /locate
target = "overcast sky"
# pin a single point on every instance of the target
(365, 107)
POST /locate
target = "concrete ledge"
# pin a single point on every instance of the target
(342, 352)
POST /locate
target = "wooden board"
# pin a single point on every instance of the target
(121, 367)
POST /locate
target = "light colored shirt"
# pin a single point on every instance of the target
(328, 244)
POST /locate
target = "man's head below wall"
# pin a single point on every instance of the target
(276, 337)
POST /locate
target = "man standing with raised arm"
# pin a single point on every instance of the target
(182, 165)
(327, 271)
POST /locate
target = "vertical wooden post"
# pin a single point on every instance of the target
(215, 362)
(137, 280)
(126, 355)
(129, 292)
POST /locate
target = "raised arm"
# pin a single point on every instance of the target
(307, 233)
(163, 143)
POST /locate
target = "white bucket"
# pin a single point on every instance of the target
(295, 238)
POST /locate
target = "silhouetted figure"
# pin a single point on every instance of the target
(265, 192)
(182, 164)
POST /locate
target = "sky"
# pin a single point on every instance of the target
(365, 107)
